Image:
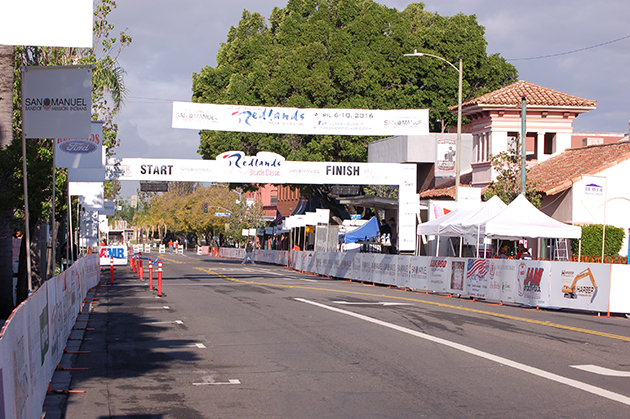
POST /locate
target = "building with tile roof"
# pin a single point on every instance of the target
(496, 124)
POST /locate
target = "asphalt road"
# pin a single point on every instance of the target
(243, 341)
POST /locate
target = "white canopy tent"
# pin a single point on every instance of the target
(495, 220)
(471, 225)
(521, 219)
(434, 227)
(431, 228)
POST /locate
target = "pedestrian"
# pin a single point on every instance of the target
(249, 253)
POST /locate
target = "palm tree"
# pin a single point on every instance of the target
(7, 62)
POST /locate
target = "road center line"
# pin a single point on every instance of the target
(485, 355)
(433, 303)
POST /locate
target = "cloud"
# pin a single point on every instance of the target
(172, 40)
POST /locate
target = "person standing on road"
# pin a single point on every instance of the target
(249, 253)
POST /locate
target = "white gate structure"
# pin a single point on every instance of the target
(266, 167)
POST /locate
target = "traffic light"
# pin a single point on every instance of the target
(205, 207)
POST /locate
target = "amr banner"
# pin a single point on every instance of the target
(308, 121)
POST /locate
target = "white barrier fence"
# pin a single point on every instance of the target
(276, 257)
(583, 286)
(33, 339)
(593, 287)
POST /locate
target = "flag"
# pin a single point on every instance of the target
(477, 267)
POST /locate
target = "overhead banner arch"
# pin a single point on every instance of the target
(307, 121)
(266, 167)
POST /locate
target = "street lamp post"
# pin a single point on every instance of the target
(458, 146)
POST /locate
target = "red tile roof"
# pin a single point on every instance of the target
(536, 96)
(560, 172)
(447, 191)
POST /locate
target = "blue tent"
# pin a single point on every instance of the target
(367, 230)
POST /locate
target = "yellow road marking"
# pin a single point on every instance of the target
(171, 260)
(470, 310)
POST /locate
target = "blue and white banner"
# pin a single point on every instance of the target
(309, 121)
(82, 153)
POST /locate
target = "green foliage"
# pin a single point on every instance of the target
(180, 210)
(343, 54)
(107, 86)
(592, 240)
(244, 216)
(507, 184)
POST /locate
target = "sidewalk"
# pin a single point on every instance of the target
(81, 385)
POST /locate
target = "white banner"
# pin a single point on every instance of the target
(501, 280)
(119, 253)
(438, 274)
(580, 286)
(532, 282)
(457, 276)
(90, 194)
(56, 101)
(403, 265)
(277, 120)
(59, 23)
(81, 152)
(476, 284)
(266, 167)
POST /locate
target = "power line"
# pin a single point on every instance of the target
(569, 52)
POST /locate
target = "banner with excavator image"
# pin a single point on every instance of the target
(580, 286)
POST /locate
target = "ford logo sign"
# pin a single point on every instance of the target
(78, 146)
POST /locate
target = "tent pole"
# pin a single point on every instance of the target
(461, 245)
(437, 246)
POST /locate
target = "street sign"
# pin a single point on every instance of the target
(221, 214)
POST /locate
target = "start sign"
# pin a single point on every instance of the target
(118, 252)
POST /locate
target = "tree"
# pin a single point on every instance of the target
(244, 216)
(343, 54)
(507, 184)
(6, 137)
(107, 95)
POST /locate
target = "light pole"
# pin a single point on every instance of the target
(458, 146)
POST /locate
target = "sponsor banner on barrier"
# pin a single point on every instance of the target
(403, 269)
(33, 339)
(119, 253)
(501, 280)
(532, 282)
(308, 261)
(344, 264)
(390, 268)
(457, 276)
(477, 277)
(355, 271)
(378, 275)
(439, 274)
(419, 273)
(583, 286)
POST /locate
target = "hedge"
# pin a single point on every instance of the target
(592, 240)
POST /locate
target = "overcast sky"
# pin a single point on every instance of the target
(173, 39)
